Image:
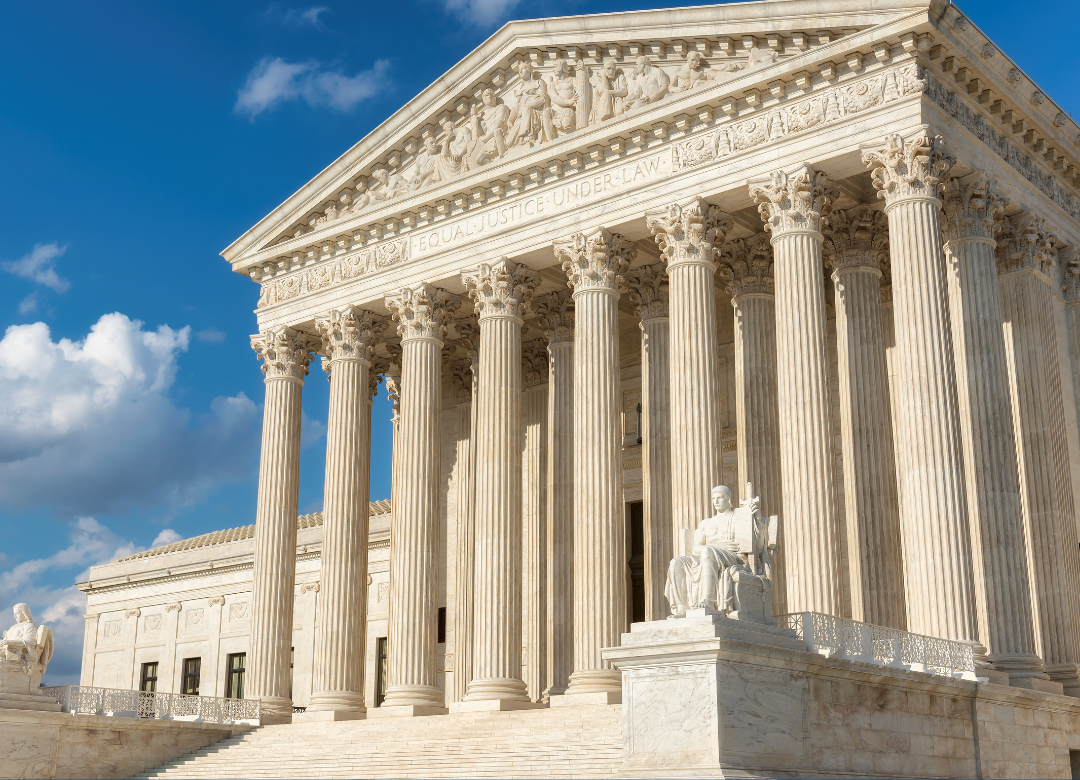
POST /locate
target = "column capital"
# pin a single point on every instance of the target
(460, 372)
(349, 334)
(690, 233)
(649, 291)
(597, 261)
(534, 363)
(1069, 258)
(856, 238)
(556, 313)
(972, 209)
(285, 353)
(421, 312)
(500, 288)
(746, 266)
(1026, 243)
(793, 202)
(902, 170)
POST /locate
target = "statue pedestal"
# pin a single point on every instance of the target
(19, 692)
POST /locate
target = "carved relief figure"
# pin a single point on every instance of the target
(530, 118)
(563, 95)
(489, 125)
(648, 85)
(27, 644)
(696, 72)
(611, 89)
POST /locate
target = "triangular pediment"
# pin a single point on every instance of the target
(542, 94)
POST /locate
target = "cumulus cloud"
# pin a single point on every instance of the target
(296, 17)
(40, 266)
(90, 543)
(485, 13)
(87, 427)
(274, 81)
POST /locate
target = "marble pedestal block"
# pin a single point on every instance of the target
(20, 692)
(709, 696)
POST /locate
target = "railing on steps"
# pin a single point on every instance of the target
(84, 700)
(840, 637)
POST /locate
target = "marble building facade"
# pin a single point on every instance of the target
(605, 264)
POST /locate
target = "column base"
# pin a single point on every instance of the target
(569, 699)
(344, 701)
(496, 688)
(1069, 677)
(595, 681)
(495, 705)
(277, 707)
(414, 696)
(405, 711)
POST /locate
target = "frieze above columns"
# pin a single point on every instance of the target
(285, 353)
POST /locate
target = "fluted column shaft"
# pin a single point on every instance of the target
(1000, 567)
(285, 354)
(757, 415)
(466, 503)
(414, 533)
(498, 290)
(937, 551)
(534, 525)
(1024, 262)
(338, 675)
(595, 265)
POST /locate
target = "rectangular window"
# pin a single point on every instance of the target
(636, 564)
(234, 682)
(380, 670)
(292, 658)
(441, 631)
(192, 669)
(148, 681)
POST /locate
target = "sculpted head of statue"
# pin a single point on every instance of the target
(611, 68)
(22, 614)
(524, 69)
(693, 59)
(489, 97)
(643, 64)
(721, 499)
(561, 69)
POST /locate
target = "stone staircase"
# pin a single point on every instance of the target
(563, 742)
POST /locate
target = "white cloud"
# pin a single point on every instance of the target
(87, 427)
(168, 536)
(29, 304)
(40, 266)
(482, 12)
(273, 81)
(211, 335)
(296, 17)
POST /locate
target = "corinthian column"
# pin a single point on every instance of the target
(855, 246)
(747, 265)
(1025, 262)
(972, 212)
(499, 291)
(688, 236)
(421, 314)
(595, 265)
(937, 562)
(792, 205)
(348, 338)
(557, 318)
(285, 354)
(649, 292)
(534, 463)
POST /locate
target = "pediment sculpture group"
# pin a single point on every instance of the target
(728, 567)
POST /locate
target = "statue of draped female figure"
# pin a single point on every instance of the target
(728, 568)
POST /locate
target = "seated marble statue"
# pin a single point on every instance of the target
(28, 644)
(730, 566)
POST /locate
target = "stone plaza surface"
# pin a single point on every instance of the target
(638, 284)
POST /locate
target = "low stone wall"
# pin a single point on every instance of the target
(60, 745)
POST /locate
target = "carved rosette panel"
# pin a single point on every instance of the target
(500, 289)
(648, 287)
(598, 261)
(746, 266)
(421, 312)
(285, 353)
(909, 169)
(556, 313)
(689, 233)
(973, 209)
(793, 202)
(349, 334)
(1026, 243)
(534, 363)
(856, 238)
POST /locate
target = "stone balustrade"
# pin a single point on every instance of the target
(85, 700)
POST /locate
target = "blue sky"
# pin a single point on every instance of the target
(138, 140)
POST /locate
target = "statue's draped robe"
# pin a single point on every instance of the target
(21, 641)
(686, 576)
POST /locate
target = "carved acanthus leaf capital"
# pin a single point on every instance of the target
(285, 353)
(1026, 243)
(500, 289)
(597, 261)
(1069, 259)
(795, 201)
(461, 377)
(349, 334)
(973, 209)
(689, 233)
(649, 291)
(746, 265)
(856, 238)
(908, 169)
(421, 312)
(534, 363)
(556, 313)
